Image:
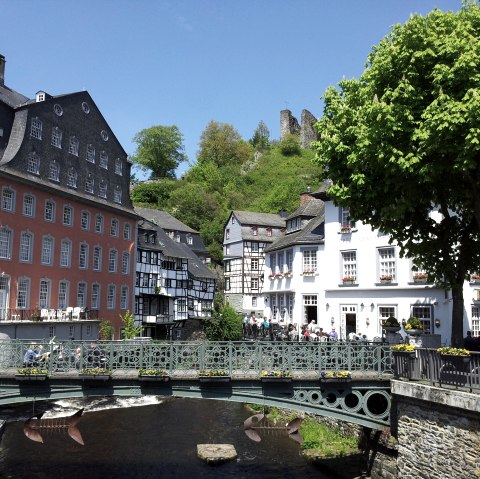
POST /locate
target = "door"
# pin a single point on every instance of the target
(348, 320)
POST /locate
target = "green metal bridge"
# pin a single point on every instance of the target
(363, 399)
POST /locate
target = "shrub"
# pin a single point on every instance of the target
(290, 145)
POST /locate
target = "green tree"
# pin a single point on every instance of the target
(261, 137)
(106, 330)
(153, 192)
(290, 145)
(129, 330)
(159, 149)
(224, 325)
(403, 141)
(221, 144)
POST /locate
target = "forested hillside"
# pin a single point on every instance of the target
(232, 174)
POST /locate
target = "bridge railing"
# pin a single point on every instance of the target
(234, 357)
(449, 371)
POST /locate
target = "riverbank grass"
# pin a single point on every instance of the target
(321, 441)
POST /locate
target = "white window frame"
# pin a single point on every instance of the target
(112, 260)
(103, 160)
(28, 208)
(81, 294)
(127, 231)
(67, 218)
(111, 294)
(124, 297)
(63, 293)
(97, 258)
(65, 253)
(114, 227)
(57, 137)
(349, 264)
(73, 146)
(85, 220)
(89, 183)
(387, 262)
(125, 262)
(6, 236)
(118, 167)
(36, 128)
(99, 223)
(83, 255)
(309, 259)
(95, 296)
(48, 245)
(90, 153)
(33, 163)
(54, 170)
(72, 177)
(44, 291)
(25, 251)
(49, 211)
(8, 199)
(23, 292)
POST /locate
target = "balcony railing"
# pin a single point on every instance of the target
(427, 365)
(35, 314)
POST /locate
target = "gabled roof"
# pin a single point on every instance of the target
(259, 219)
(163, 219)
(11, 98)
(312, 233)
(311, 208)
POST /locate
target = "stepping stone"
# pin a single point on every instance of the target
(216, 453)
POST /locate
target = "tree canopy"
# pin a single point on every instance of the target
(160, 149)
(401, 145)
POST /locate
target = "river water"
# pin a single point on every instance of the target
(158, 440)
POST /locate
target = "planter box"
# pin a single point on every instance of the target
(214, 379)
(420, 280)
(275, 379)
(455, 359)
(30, 377)
(95, 377)
(335, 380)
(150, 377)
(405, 354)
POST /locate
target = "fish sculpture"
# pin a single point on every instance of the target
(36, 424)
(258, 424)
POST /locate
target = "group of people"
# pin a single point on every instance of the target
(264, 328)
(471, 343)
(312, 332)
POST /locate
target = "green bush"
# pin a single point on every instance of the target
(290, 145)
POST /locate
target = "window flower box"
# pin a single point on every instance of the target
(420, 278)
(348, 280)
(276, 376)
(271, 276)
(346, 229)
(386, 279)
(288, 274)
(475, 278)
(278, 275)
(404, 350)
(309, 272)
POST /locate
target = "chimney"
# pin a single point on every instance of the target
(2, 70)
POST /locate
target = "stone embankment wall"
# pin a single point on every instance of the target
(438, 432)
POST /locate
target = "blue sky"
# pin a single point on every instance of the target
(187, 62)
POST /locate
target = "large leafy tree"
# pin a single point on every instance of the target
(221, 144)
(401, 145)
(159, 149)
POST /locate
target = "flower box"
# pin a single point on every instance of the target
(30, 377)
(276, 379)
(152, 378)
(309, 273)
(214, 379)
(288, 274)
(386, 279)
(405, 354)
(94, 377)
(335, 380)
(455, 359)
(475, 278)
(345, 229)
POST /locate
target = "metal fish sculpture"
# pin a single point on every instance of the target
(258, 423)
(35, 424)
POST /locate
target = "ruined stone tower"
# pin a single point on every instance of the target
(306, 131)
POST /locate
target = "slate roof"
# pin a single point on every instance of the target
(259, 219)
(312, 233)
(163, 219)
(12, 98)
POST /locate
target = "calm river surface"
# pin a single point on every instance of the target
(154, 441)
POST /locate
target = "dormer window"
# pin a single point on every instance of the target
(40, 96)
(254, 231)
(190, 239)
(269, 231)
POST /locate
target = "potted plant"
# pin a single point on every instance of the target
(153, 375)
(348, 280)
(391, 325)
(404, 349)
(35, 314)
(386, 278)
(214, 375)
(335, 376)
(413, 326)
(276, 376)
(100, 374)
(31, 374)
(450, 354)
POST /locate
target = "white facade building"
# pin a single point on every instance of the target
(351, 278)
